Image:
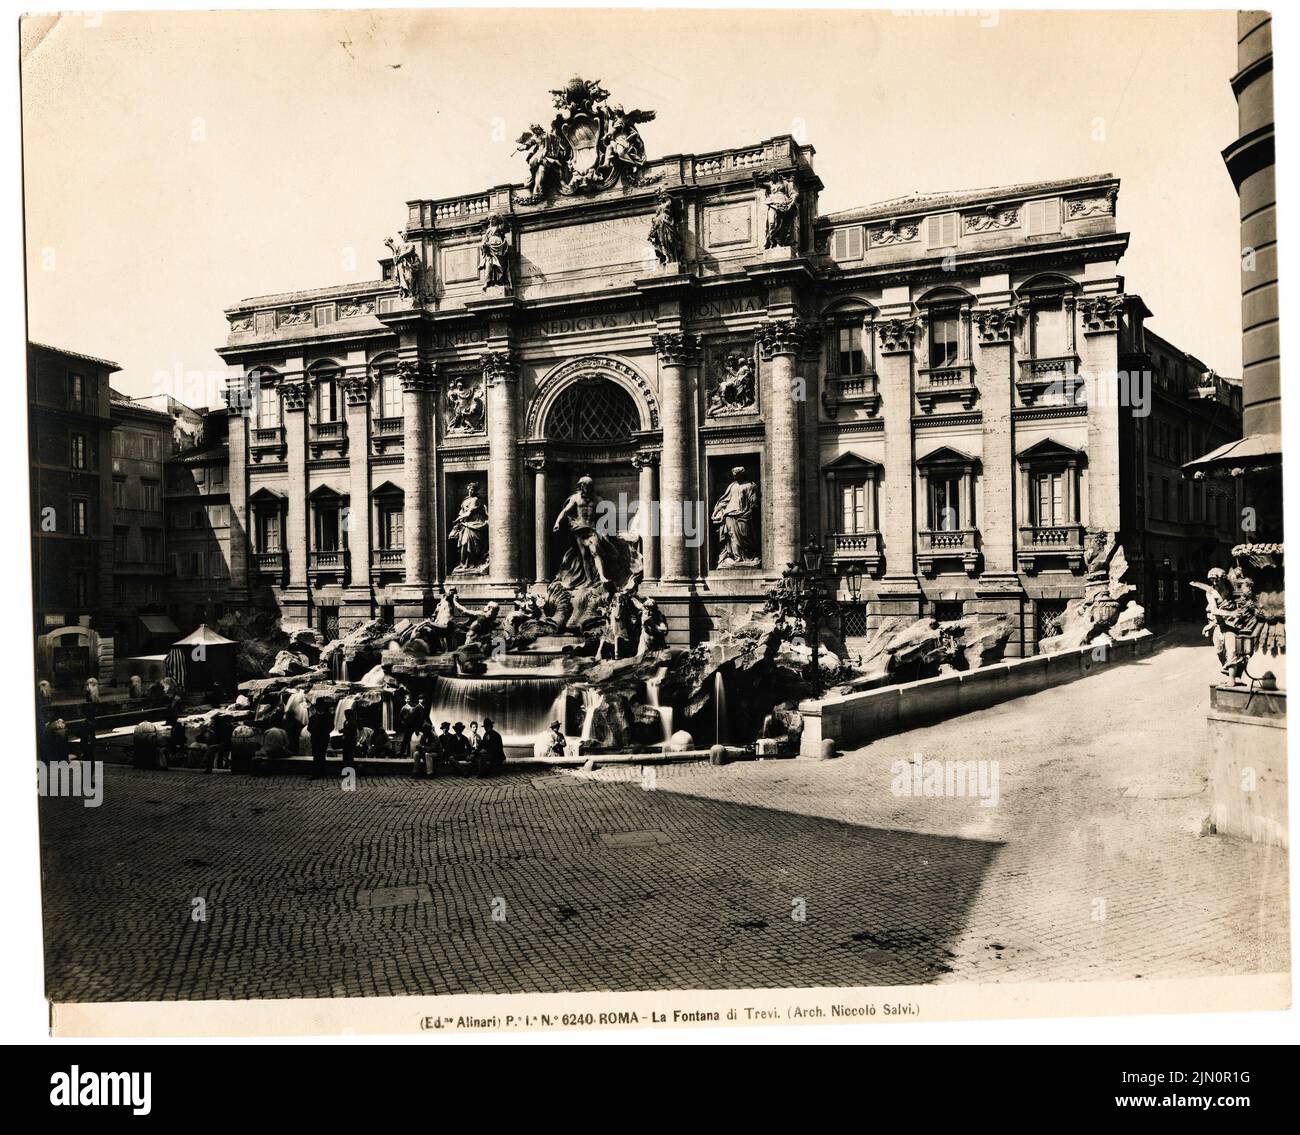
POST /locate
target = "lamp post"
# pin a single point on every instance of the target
(814, 597)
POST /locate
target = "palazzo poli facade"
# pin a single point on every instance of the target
(938, 389)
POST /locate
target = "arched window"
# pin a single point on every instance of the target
(593, 409)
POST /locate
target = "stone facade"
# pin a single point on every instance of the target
(932, 387)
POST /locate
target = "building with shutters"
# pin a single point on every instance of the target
(952, 393)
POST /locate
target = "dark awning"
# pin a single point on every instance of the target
(159, 624)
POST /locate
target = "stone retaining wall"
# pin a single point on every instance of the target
(857, 718)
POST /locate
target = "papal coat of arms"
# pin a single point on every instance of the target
(592, 144)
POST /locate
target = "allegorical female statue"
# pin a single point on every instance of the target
(406, 268)
(494, 254)
(469, 531)
(734, 515)
(782, 212)
(664, 234)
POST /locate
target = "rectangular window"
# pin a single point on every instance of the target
(853, 507)
(268, 408)
(82, 583)
(268, 532)
(119, 544)
(945, 341)
(80, 517)
(149, 495)
(390, 397)
(150, 447)
(1165, 512)
(264, 321)
(852, 359)
(392, 534)
(119, 492)
(152, 546)
(847, 243)
(327, 528)
(218, 478)
(196, 565)
(79, 451)
(327, 400)
(324, 314)
(1043, 216)
(1048, 331)
(76, 392)
(941, 231)
(945, 504)
(1049, 499)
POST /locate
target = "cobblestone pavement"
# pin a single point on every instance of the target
(696, 878)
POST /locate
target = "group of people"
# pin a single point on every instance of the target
(482, 749)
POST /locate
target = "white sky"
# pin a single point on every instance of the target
(176, 163)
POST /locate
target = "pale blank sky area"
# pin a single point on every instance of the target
(176, 163)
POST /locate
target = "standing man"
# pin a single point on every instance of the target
(320, 725)
(350, 736)
(491, 751)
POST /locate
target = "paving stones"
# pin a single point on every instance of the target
(761, 874)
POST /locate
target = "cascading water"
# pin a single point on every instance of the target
(719, 708)
(520, 707)
(590, 700)
(665, 711)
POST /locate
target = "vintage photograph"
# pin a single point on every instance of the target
(555, 518)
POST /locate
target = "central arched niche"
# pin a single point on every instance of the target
(592, 409)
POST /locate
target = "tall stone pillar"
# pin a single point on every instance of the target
(994, 330)
(356, 396)
(501, 377)
(645, 465)
(238, 407)
(781, 342)
(677, 350)
(297, 543)
(899, 592)
(541, 519)
(417, 382)
(1099, 361)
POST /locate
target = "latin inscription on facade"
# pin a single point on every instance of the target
(594, 245)
(729, 225)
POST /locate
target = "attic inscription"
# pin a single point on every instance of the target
(593, 245)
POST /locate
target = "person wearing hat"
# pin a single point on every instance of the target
(558, 746)
(491, 751)
(460, 748)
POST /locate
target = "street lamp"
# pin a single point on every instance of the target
(853, 580)
(812, 557)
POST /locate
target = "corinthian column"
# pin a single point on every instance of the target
(501, 377)
(781, 341)
(294, 401)
(356, 395)
(676, 351)
(645, 463)
(417, 383)
(541, 517)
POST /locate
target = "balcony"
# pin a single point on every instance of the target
(936, 545)
(855, 389)
(1058, 374)
(328, 437)
(859, 547)
(934, 383)
(388, 562)
(331, 561)
(266, 441)
(386, 434)
(270, 565)
(1042, 541)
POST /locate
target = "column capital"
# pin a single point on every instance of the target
(536, 463)
(356, 389)
(498, 367)
(1101, 314)
(996, 324)
(676, 348)
(645, 459)
(416, 375)
(896, 336)
(784, 337)
(294, 395)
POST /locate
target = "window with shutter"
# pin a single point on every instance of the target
(941, 230)
(1043, 216)
(847, 243)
